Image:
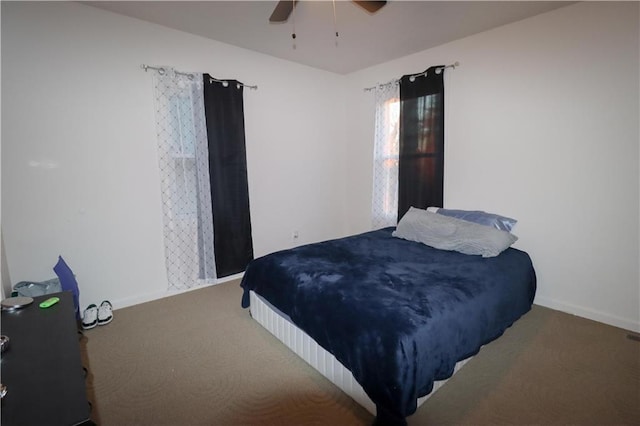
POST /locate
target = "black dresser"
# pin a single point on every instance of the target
(42, 367)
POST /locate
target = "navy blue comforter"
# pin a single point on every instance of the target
(398, 314)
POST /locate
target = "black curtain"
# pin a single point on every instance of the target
(224, 112)
(421, 162)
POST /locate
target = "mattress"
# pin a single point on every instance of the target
(316, 356)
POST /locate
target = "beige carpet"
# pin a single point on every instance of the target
(199, 359)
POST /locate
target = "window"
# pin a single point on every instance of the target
(421, 165)
(203, 174)
(183, 154)
(184, 181)
(386, 152)
(408, 167)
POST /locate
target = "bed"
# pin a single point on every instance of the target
(398, 316)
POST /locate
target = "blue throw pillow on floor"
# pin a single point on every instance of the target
(68, 282)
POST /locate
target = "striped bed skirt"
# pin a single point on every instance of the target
(316, 356)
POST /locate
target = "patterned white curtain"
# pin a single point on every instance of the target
(183, 158)
(384, 210)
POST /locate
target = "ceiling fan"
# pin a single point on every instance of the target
(285, 7)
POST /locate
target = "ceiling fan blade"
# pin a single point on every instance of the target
(370, 6)
(282, 11)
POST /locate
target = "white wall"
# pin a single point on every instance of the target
(4, 272)
(542, 125)
(79, 164)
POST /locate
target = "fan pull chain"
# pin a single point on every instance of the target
(335, 22)
(293, 10)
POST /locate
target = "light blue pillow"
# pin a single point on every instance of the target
(477, 216)
(449, 233)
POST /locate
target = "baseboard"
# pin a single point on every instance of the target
(591, 314)
(149, 297)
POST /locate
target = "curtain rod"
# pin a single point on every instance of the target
(162, 71)
(412, 77)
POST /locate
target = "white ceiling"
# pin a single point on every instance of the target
(400, 28)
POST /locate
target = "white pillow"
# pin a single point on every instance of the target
(449, 233)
